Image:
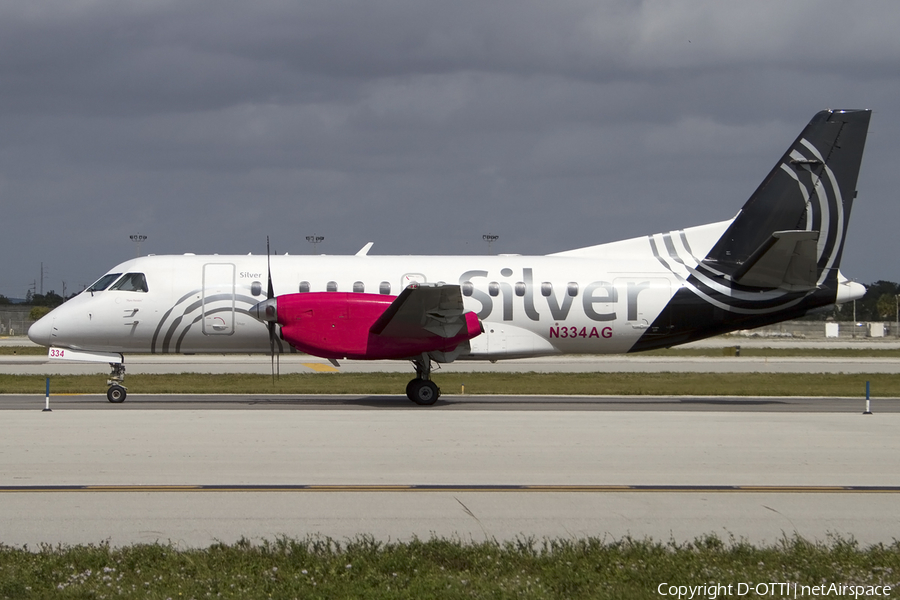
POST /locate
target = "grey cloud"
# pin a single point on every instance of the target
(135, 58)
(420, 125)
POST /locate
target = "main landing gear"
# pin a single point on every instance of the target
(116, 392)
(422, 390)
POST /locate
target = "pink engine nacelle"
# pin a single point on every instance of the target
(338, 325)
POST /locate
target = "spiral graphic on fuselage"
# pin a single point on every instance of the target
(189, 310)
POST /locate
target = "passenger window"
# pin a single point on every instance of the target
(359, 287)
(103, 283)
(131, 282)
(304, 287)
(384, 288)
(331, 286)
(256, 288)
(572, 289)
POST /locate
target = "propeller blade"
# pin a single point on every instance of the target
(272, 347)
(270, 293)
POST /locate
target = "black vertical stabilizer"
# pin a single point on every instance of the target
(811, 188)
(779, 258)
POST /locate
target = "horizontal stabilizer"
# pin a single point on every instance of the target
(787, 260)
(422, 310)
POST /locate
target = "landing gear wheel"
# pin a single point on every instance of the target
(423, 392)
(116, 394)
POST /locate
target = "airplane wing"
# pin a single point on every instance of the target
(423, 310)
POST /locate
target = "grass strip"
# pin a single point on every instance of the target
(616, 384)
(442, 568)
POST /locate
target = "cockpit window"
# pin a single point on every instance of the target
(131, 282)
(103, 283)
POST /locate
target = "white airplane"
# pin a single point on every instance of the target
(777, 259)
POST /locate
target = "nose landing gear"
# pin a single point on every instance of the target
(116, 392)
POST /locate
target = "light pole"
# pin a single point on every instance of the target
(490, 238)
(137, 239)
(315, 240)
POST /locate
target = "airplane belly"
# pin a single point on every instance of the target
(501, 340)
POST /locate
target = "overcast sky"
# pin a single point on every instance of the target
(209, 124)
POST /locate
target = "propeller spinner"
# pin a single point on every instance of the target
(266, 311)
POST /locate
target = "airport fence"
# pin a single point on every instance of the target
(825, 329)
(15, 319)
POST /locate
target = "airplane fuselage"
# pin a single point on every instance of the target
(529, 305)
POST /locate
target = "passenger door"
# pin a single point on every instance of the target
(218, 298)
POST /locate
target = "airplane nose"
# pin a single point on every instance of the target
(266, 311)
(42, 331)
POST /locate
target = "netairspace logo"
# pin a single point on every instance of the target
(711, 591)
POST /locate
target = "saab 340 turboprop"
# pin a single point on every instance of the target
(777, 259)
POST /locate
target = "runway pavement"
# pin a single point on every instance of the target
(196, 469)
(474, 474)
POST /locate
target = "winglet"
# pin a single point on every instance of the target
(365, 249)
